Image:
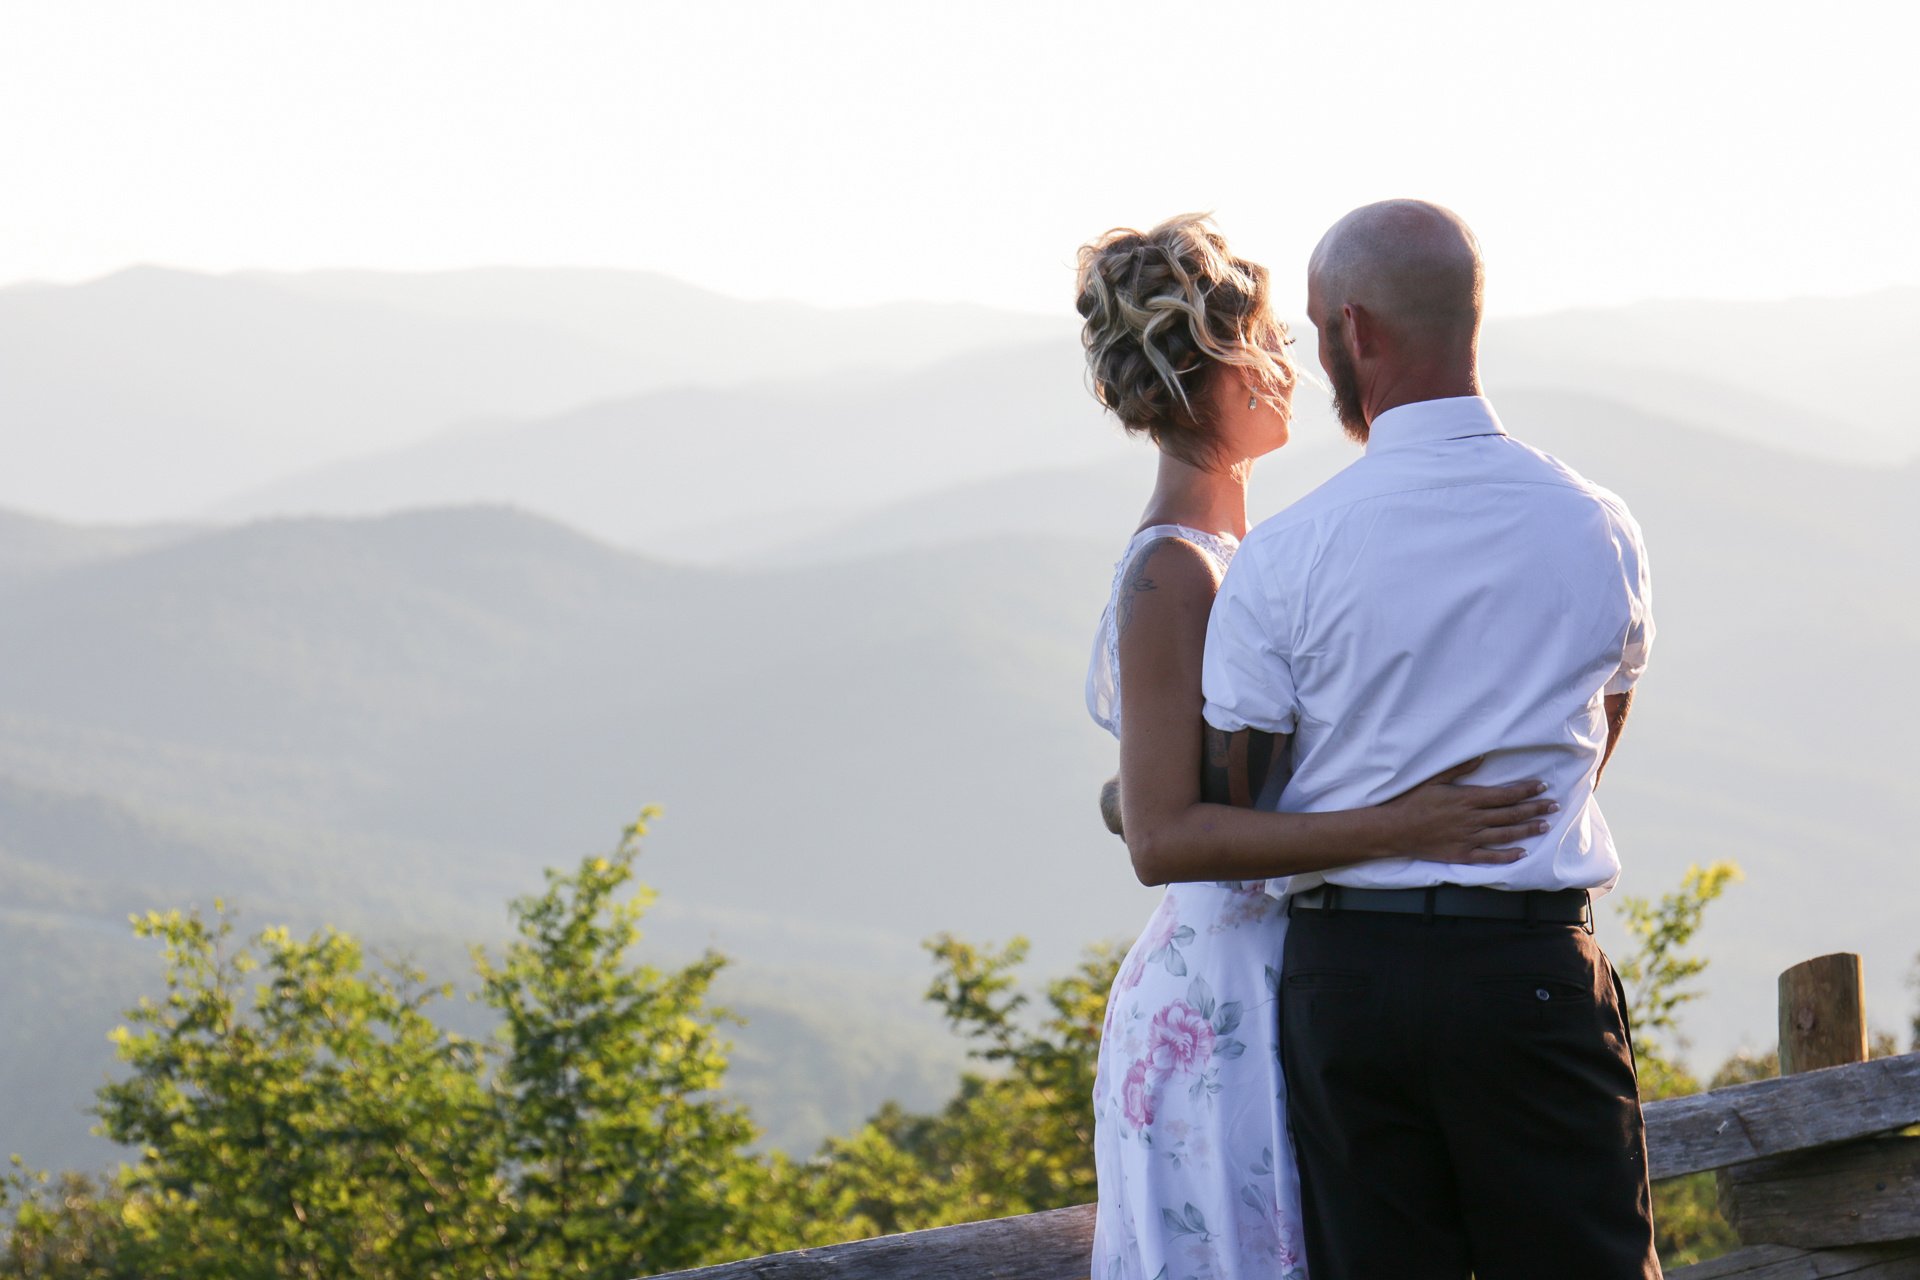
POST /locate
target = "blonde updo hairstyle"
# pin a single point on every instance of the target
(1166, 311)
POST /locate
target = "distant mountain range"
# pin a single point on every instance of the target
(158, 394)
(31, 547)
(152, 394)
(837, 452)
(718, 473)
(1814, 376)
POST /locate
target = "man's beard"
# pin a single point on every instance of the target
(1344, 381)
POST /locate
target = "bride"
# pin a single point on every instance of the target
(1196, 1175)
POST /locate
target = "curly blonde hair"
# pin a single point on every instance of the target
(1165, 309)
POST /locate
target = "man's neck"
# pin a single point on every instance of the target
(1412, 385)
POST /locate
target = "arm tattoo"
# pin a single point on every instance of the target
(1236, 766)
(1259, 762)
(1136, 584)
(1215, 768)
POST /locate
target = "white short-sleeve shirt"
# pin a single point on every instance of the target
(1454, 593)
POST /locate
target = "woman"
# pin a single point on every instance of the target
(1196, 1177)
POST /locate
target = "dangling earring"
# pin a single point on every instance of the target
(1253, 402)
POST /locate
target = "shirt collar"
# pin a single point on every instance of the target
(1429, 421)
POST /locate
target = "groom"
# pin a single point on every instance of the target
(1460, 1079)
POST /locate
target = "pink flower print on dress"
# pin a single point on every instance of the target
(1247, 903)
(1162, 941)
(1263, 1233)
(1180, 1041)
(1290, 1263)
(1160, 929)
(1152, 945)
(1136, 1096)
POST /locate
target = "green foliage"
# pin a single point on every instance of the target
(1744, 1068)
(1018, 1139)
(297, 1114)
(62, 1228)
(1688, 1225)
(623, 1157)
(1657, 976)
(1657, 973)
(1041, 1108)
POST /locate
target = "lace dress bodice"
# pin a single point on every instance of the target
(1103, 672)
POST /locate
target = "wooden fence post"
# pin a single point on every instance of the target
(1823, 1014)
(1862, 1193)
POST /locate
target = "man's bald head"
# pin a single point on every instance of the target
(1414, 266)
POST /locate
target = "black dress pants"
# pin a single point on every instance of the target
(1463, 1101)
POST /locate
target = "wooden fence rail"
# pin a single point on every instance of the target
(1814, 1174)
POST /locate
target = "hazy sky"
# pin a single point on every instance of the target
(870, 149)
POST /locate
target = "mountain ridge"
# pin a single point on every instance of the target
(151, 392)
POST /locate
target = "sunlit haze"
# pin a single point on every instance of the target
(867, 150)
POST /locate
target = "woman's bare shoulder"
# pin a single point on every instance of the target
(1169, 577)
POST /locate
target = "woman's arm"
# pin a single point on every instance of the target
(1174, 834)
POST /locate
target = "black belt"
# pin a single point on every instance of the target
(1558, 906)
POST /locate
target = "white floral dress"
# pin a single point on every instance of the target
(1197, 1177)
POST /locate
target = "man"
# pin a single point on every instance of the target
(1460, 1079)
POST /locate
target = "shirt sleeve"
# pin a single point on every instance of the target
(1640, 629)
(1246, 674)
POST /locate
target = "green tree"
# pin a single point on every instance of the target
(1016, 1138)
(296, 1113)
(1658, 974)
(622, 1155)
(1659, 977)
(1037, 1109)
(1744, 1067)
(63, 1228)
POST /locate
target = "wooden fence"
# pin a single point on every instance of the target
(1814, 1174)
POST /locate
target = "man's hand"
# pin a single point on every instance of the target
(1110, 804)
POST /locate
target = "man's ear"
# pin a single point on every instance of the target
(1359, 332)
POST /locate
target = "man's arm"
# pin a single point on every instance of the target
(1617, 705)
(1639, 642)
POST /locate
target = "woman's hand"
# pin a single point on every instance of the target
(1110, 805)
(1442, 820)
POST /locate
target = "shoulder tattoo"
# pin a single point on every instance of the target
(1134, 584)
